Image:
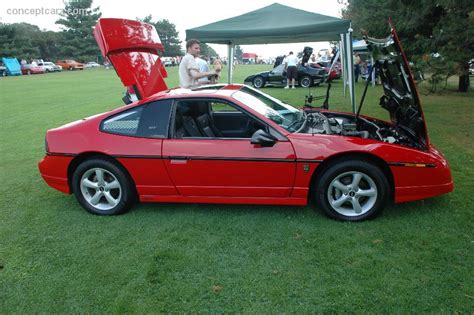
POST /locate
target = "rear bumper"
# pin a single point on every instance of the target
(54, 170)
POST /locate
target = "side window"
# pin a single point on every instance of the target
(216, 119)
(219, 107)
(279, 69)
(146, 121)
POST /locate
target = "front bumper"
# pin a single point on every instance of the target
(416, 183)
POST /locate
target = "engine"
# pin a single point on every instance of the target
(352, 126)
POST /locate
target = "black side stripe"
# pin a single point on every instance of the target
(60, 154)
(203, 158)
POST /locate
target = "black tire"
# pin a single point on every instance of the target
(347, 202)
(306, 81)
(111, 200)
(70, 69)
(258, 82)
(28, 72)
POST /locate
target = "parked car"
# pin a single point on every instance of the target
(92, 64)
(306, 76)
(167, 61)
(3, 70)
(234, 144)
(70, 64)
(335, 72)
(30, 69)
(12, 66)
(49, 66)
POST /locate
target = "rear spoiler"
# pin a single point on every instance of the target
(132, 48)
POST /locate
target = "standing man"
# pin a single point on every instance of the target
(291, 61)
(357, 62)
(189, 73)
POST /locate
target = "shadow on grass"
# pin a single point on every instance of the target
(173, 208)
(430, 208)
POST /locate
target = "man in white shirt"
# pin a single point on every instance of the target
(189, 73)
(291, 62)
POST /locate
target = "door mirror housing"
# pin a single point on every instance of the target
(263, 139)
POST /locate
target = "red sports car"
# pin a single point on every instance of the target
(31, 69)
(234, 144)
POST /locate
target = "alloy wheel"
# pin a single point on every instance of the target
(352, 193)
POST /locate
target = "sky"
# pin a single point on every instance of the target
(184, 14)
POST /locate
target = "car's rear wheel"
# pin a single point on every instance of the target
(70, 69)
(306, 81)
(352, 190)
(258, 82)
(28, 72)
(102, 187)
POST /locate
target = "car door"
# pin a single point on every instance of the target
(277, 76)
(228, 165)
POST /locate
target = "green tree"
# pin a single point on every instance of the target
(168, 34)
(49, 44)
(426, 28)
(78, 20)
(238, 52)
(17, 40)
(208, 51)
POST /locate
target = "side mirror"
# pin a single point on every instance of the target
(262, 138)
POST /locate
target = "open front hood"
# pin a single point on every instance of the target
(400, 97)
(132, 48)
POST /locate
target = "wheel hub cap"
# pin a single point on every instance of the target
(101, 189)
(352, 193)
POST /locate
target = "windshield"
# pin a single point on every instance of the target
(283, 114)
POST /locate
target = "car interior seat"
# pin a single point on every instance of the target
(205, 121)
(184, 115)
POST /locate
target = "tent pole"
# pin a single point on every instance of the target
(230, 62)
(373, 72)
(350, 66)
(343, 63)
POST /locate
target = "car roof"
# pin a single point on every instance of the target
(224, 90)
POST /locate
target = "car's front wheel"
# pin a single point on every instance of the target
(306, 81)
(258, 82)
(102, 187)
(352, 190)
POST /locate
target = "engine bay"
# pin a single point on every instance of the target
(329, 123)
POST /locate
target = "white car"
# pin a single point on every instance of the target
(92, 64)
(167, 61)
(49, 66)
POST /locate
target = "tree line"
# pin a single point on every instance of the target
(437, 35)
(75, 40)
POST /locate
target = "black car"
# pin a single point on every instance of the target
(305, 77)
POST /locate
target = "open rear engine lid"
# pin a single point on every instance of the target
(133, 49)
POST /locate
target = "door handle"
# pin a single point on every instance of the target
(179, 159)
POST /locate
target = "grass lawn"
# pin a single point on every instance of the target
(190, 258)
